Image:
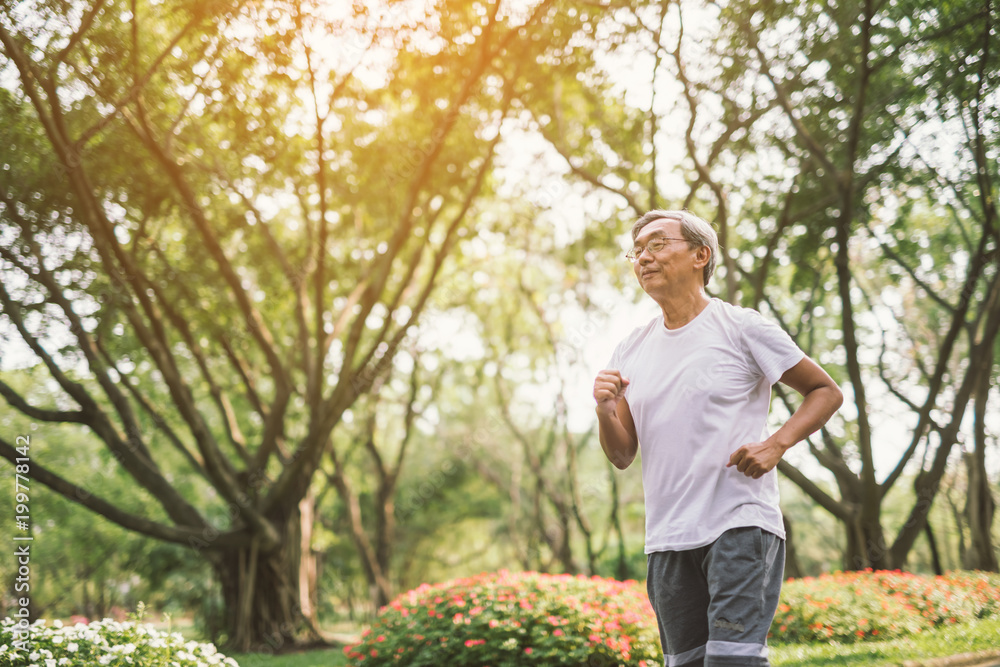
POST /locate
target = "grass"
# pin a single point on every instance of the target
(983, 635)
(970, 637)
(322, 658)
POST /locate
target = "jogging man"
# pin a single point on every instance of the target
(692, 388)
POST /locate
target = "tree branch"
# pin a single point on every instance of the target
(18, 402)
(814, 491)
(195, 536)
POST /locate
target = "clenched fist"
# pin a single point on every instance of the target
(609, 388)
(756, 458)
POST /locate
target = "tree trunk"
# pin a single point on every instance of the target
(792, 568)
(932, 543)
(260, 592)
(979, 512)
(866, 545)
(308, 565)
(979, 505)
(379, 586)
(957, 515)
(385, 538)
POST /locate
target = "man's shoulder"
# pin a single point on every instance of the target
(737, 316)
(732, 310)
(639, 334)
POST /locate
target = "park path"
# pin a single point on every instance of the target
(980, 659)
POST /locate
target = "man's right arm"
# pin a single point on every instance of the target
(614, 419)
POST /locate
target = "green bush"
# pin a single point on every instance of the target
(857, 606)
(507, 619)
(106, 642)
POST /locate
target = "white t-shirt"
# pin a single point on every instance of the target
(697, 394)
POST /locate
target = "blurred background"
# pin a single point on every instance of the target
(301, 300)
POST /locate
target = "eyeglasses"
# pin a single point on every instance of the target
(654, 246)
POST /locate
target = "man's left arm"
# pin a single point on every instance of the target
(822, 397)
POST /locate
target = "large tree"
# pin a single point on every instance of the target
(884, 116)
(219, 223)
(847, 153)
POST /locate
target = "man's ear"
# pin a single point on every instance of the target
(701, 256)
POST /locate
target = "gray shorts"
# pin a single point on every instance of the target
(714, 604)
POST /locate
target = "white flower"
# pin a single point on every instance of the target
(49, 662)
(57, 623)
(71, 647)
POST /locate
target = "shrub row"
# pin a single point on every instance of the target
(527, 618)
(507, 619)
(104, 642)
(856, 606)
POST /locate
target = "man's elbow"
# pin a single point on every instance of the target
(836, 397)
(623, 460)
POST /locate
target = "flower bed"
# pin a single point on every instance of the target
(857, 606)
(507, 619)
(104, 642)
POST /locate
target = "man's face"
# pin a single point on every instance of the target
(674, 262)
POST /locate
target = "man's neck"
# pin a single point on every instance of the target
(680, 309)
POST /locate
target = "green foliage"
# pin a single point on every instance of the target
(232, 229)
(321, 658)
(863, 606)
(87, 564)
(975, 636)
(130, 644)
(515, 619)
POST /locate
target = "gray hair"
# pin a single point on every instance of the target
(696, 231)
